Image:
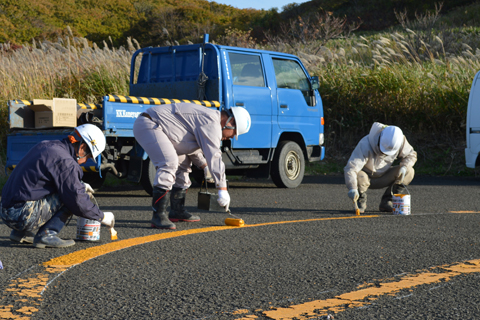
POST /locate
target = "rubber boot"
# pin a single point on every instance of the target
(362, 202)
(22, 236)
(177, 210)
(47, 234)
(386, 204)
(160, 201)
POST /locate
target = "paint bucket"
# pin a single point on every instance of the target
(401, 203)
(88, 230)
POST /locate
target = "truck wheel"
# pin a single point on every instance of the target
(288, 167)
(94, 179)
(148, 175)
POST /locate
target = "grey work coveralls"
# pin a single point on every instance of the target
(368, 167)
(172, 133)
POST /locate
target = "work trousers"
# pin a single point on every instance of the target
(33, 214)
(172, 170)
(366, 180)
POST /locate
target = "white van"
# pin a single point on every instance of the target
(473, 125)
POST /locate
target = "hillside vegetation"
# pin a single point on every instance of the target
(416, 74)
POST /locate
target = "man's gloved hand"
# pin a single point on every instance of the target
(223, 199)
(208, 175)
(401, 175)
(89, 190)
(108, 219)
(353, 194)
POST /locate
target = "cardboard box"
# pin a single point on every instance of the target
(55, 113)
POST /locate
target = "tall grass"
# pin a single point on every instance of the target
(417, 79)
(68, 68)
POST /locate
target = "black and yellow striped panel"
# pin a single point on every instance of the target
(90, 106)
(143, 100)
(89, 169)
(25, 102)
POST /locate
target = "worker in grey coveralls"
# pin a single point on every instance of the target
(370, 166)
(169, 134)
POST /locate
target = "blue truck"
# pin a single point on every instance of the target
(283, 100)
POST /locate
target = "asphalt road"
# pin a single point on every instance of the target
(303, 254)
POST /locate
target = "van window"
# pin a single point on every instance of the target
(246, 70)
(290, 75)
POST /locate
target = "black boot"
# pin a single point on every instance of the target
(362, 202)
(386, 204)
(22, 236)
(177, 210)
(159, 205)
(47, 234)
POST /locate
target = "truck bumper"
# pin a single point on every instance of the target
(315, 153)
(470, 158)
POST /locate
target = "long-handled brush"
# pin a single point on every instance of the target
(235, 222)
(357, 211)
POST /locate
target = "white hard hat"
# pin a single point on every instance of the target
(93, 137)
(391, 140)
(242, 120)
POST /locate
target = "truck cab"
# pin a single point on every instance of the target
(286, 109)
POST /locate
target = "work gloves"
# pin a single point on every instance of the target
(108, 219)
(88, 189)
(223, 199)
(353, 194)
(401, 175)
(208, 175)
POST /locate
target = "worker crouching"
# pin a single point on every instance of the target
(371, 166)
(45, 189)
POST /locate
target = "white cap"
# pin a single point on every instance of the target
(242, 120)
(391, 140)
(93, 137)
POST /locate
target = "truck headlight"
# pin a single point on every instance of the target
(320, 139)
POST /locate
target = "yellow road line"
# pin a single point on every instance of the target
(31, 289)
(372, 291)
(93, 252)
(28, 292)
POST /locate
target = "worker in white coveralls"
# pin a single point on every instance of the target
(169, 134)
(45, 189)
(370, 166)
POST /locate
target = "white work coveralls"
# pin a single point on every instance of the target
(369, 167)
(174, 133)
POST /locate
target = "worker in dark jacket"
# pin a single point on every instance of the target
(46, 188)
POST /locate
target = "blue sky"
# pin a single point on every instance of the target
(259, 4)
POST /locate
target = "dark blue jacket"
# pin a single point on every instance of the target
(50, 167)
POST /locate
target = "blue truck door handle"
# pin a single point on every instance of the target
(239, 104)
(284, 106)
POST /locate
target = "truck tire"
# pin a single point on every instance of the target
(94, 179)
(288, 166)
(148, 175)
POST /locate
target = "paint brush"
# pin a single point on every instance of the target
(357, 211)
(113, 234)
(235, 222)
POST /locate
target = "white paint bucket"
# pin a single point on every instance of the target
(88, 230)
(401, 204)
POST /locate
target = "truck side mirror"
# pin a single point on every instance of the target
(315, 83)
